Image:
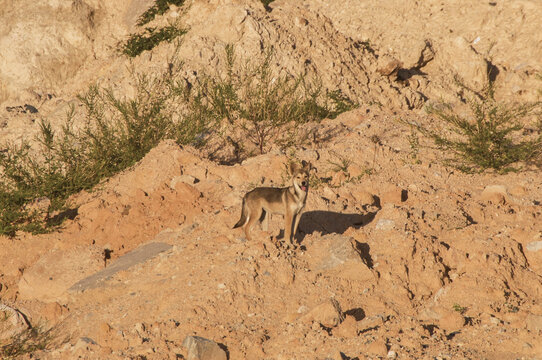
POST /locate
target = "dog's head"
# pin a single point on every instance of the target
(300, 175)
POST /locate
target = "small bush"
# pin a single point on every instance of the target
(152, 36)
(264, 104)
(27, 342)
(492, 138)
(137, 43)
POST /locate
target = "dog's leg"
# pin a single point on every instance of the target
(288, 219)
(296, 224)
(252, 219)
(265, 222)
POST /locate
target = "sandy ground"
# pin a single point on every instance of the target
(399, 256)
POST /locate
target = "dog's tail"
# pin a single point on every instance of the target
(244, 218)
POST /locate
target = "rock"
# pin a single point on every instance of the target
(534, 246)
(364, 197)
(395, 195)
(187, 192)
(378, 347)
(468, 64)
(391, 354)
(451, 321)
(12, 322)
(495, 194)
(385, 224)
(336, 256)
(49, 278)
(489, 319)
(199, 348)
(388, 65)
(338, 178)
(347, 329)
(52, 312)
(372, 322)
(327, 314)
(134, 257)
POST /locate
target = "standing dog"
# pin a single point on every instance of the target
(288, 201)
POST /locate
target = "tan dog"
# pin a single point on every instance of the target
(288, 201)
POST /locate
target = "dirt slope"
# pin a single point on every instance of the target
(441, 264)
(400, 257)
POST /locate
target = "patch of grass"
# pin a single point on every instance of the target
(27, 342)
(341, 165)
(152, 36)
(117, 133)
(267, 106)
(137, 43)
(159, 8)
(493, 137)
(414, 143)
(460, 309)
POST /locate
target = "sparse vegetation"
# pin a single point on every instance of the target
(492, 138)
(265, 105)
(460, 309)
(137, 43)
(116, 134)
(152, 36)
(414, 143)
(27, 342)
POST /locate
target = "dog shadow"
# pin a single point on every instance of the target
(329, 222)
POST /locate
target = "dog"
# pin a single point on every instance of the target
(289, 201)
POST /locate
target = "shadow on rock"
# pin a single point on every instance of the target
(329, 222)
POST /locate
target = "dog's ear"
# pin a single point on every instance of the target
(307, 166)
(293, 168)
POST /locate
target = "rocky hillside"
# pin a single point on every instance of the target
(399, 256)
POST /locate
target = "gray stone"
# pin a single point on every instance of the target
(203, 349)
(385, 224)
(534, 246)
(335, 255)
(134, 257)
(12, 322)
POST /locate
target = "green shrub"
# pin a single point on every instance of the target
(491, 138)
(262, 103)
(27, 342)
(116, 134)
(152, 36)
(137, 43)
